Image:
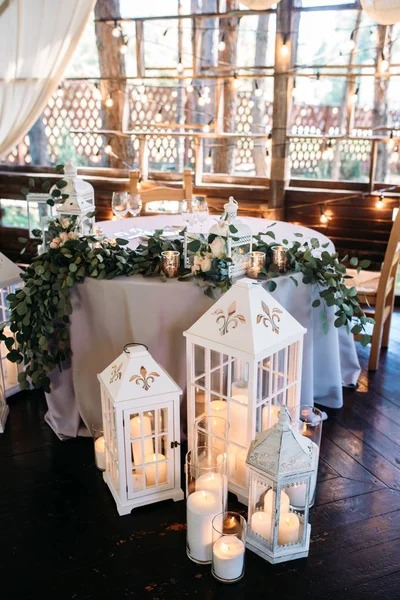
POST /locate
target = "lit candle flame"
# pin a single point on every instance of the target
(204, 495)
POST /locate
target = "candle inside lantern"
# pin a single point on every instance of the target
(151, 470)
(170, 263)
(270, 416)
(256, 262)
(261, 524)
(100, 453)
(237, 464)
(136, 432)
(201, 508)
(288, 530)
(269, 502)
(228, 558)
(238, 418)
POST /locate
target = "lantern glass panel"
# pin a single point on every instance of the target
(110, 441)
(199, 361)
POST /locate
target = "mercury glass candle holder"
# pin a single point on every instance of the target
(206, 496)
(256, 262)
(229, 545)
(307, 420)
(279, 258)
(170, 263)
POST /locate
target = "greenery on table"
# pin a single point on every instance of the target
(40, 311)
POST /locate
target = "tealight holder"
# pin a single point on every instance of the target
(307, 420)
(279, 258)
(256, 262)
(170, 263)
(211, 431)
(206, 497)
(229, 545)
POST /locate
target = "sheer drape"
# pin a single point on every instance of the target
(37, 39)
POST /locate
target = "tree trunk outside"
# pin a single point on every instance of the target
(38, 144)
(224, 160)
(259, 152)
(112, 64)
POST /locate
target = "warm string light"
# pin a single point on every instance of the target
(117, 30)
(354, 96)
(108, 148)
(257, 91)
(379, 203)
(352, 42)
(207, 127)
(60, 90)
(158, 116)
(395, 154)
(328, 153)
(285, 48)
(391, 142)
(294, 89)
(97, 92)
(208, 160)
(222, 45)
(323, 218)
(384, 64)
(179, 67)
(124, 47)
(109, 101)
(236, 82)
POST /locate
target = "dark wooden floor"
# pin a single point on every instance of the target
(61, 537)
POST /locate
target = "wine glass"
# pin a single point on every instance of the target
(201, 211)
(188, 213)
(135, 204)
(119, 204)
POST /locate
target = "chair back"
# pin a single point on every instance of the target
(162, 193)
(387, 281)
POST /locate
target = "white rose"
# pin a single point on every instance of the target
(218, 248)
(63, 236)
(64, 223)
(72, 236)
(196, 266)
(206, 263)
(55, 242)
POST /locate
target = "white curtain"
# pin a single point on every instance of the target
(37, 40)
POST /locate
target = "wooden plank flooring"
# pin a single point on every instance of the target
(61, 537)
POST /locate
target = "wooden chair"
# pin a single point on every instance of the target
(158, 193)
(377, 290)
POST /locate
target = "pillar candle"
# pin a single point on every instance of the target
(151, 470)
(297, 492)
(228, 557)
(201, 508)
(10, 369)
(261, 524)
(136, 432)
(100, 453)
(269, 502)
(215, 483)
(288, 531)
(238, 419)
(269, 419)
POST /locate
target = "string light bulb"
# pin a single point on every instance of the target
(207, 127)
(354, 96)
(189, 87)
(391, 141)
(258, 91)
(96, 156)
(179, 66)
(373, 35)
(379, 203)
(222, 45)
(395, 154)
(294, 89)
(201, 101)
(236, 82)
(269, 141)
(158, 116)
(97, 92)
(384, 64)
(124, 47)
(108, 149)
(158, 152)
(60, 91)
(208, 160)
(285, 48)
(352, 42)
(109, 101)
(323, 218)
(117, 31)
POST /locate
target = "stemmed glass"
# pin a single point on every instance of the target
(119, 204)
(201, 210)
(135, 204)
(189, 214)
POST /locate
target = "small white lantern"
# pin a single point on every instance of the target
(80, 201)
(140, 407)
(38, 211)
(279, 460)
(10, 281)
(244, 361)
(384, 12)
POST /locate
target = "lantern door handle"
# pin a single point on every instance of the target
(175, 444)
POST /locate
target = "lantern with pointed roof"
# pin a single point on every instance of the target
(279, 462)
(140, 409)
(80, 201)
(244, 360)
(10, 281)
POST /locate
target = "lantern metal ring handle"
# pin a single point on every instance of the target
(127, 346)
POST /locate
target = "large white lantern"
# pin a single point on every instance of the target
(384, 12)
(10, 281)
(140, 408)
(279, 460)
(244, 362)
(80, 201)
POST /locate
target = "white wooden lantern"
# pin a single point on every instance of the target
(38, 211)
(80, 201)
(384, 12)
(140, 407)
(279, 460)
(10, 280)
(244, 361)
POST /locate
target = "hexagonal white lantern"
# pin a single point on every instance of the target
(10, 280)
(140, 408)
(80, 199)
(244, 361)
(280, 460)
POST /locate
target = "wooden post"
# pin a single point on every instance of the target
(143, 157)
(372, 166)
(281, 109)
(140, 64)
(198, 160)
(380, 109)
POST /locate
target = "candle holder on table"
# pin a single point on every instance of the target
(256, 262)
(170, 263)
(279, 258)
(229, 545)
(206, 497)
(307, 420)
(212, 431)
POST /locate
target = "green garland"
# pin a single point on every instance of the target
(40, 311)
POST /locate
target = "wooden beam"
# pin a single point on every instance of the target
(140, 61)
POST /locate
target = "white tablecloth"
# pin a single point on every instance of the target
(108, 314)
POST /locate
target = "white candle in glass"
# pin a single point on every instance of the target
(297, 492)
(136, 432)
(215, 483)
(261, 524)
(100, 453)
(269, 419)
(269, 502)
(151, 469)
(228, 557)
(201, 508)
(288, 530)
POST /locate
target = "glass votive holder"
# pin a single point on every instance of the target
(170, 263)
(229, 545)
(307, 420)
(211, 431)
(206, 497)
(255, 262)
(279, 258)
(99, 448)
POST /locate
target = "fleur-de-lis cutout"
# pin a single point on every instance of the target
(116, 373)
(268, 318)
(144, 379)
(231, 320)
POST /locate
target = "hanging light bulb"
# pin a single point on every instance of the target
(117, 31)
(206, 90)
(323, 218)
(285, 48)
(96, 156)
(258, 91)
(268, 143)
(379, 203)
(391, 142)
(222, 45)
(109, 101)
(159, 116)
(373, 35)
(207, 127)
(60, 90)
(108, 149)
(189, 87)
(179, 66)
(208, 160)
(97, 92)
(201, 101)
(395, 155)
(352, 42)
(236, 82)
(384, 65)
(294, 89)
(354, 97)
(158, 153)
(124, 47)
